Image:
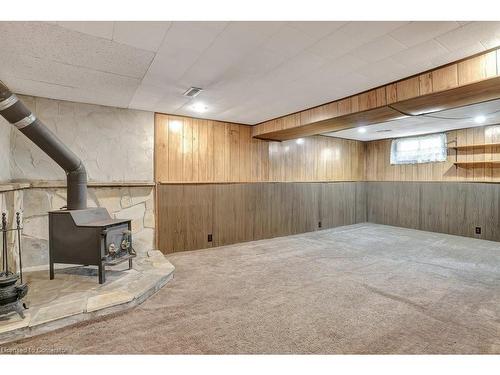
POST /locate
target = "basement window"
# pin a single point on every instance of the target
(423, 149)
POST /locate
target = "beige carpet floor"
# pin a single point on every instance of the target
(358, 289)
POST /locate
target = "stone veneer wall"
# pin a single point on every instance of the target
(10, 202)
(136, 203)
(5, 131)
(116, 146)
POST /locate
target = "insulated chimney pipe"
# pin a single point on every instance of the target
(16, 113)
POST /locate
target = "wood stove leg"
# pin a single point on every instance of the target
(102, 273)
(51, 271)
(130, 264)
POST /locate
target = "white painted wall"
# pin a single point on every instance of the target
(116, 145)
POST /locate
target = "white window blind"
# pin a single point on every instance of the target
(423, 149)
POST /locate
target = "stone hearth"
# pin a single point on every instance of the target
(75, 295)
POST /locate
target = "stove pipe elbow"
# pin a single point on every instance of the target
(16, 113)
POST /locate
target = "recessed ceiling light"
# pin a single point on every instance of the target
(479, 119)
(362, 130)
(199, 107)
(300, 141)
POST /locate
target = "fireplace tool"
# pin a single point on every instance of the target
(11, 292)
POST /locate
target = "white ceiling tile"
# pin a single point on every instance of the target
(368, 30)
(147, 97)
(181, 48)
(418, 32)
(54, 91)
(70, 47)
(378, 49)
(351, 36)
(289, 41)
(233, 44)
(146, 35)
(259, 62)
(43, 70)
(469, 34)
(386, 70)
(422, 52)
(102, 29)
(295, 68)
(457, 54)
(317, 29)
(491, 42)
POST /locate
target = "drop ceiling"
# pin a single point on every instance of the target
(250, 71)
(457, 118)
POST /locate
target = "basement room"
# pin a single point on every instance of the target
(229, 185)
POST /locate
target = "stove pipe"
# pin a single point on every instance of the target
(15, 112)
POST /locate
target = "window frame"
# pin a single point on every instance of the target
(421, 155)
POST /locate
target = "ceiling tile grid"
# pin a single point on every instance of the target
(250, 71)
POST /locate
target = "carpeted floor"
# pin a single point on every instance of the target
(358, 289)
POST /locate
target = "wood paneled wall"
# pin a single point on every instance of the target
(445, 207)
(194, 150)
(378, 167)
(317, 158)
(233, 213)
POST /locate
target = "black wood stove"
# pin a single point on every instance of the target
(89, 237)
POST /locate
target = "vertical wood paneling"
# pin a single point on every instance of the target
(193, 150)
(445, 78)
(477, 68)
(184, 216)
(378, 167)
(454, 208)
(425, 83)
(408, 88)
(239, 212)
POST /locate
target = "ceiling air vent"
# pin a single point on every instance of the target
(192, 92)
(383, 131)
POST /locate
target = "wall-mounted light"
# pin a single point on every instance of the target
(326, 154)
(362, 130)
(300, 141)
(479, 119)
(199, 107)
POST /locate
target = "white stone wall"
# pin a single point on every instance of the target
(116, 145)
(5, 130)
(135, 203)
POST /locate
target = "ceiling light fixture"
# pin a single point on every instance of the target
(299, 141)
(479, 119)
(199, 107)
(362, 130)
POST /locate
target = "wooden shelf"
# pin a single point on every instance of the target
(472, 164)
(468, 147)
